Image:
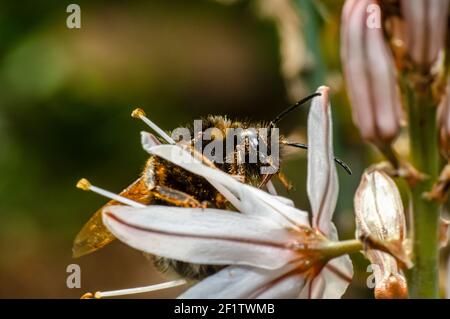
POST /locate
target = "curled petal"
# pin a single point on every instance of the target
(257, 202)
(322, 181)
(370, 75)
(202, 236)
(390, 283)
(245, 282)
(426, 26)
(379, 209)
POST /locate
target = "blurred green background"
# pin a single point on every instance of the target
(66, 97)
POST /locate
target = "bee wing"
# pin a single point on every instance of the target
(94, 235)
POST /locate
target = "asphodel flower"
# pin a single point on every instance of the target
(270, 247)
(370, 75)
(426, 27)
(380, 220)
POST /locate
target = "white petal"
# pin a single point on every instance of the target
(337, 275)
(251, 201)
(332, 281)
(288, 287)
(271, 188)
(150, 139)
(202, 236)
(235, 282)
(258, 203)
(322, 182)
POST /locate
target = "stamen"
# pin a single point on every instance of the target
(131, 291)
(140, 114)
(85, 185)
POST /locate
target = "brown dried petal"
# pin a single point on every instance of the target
(390, 283)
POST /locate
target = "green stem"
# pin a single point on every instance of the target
(335, 249)
(423, 279)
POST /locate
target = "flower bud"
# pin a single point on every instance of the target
(390, 283)
(426, 26)
(444, 123)
(370, 74)
(380, 217)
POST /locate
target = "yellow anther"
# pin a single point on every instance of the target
(98, 295)
(84, 184)
(87, 295)
(138, 113)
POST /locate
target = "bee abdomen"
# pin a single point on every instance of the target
(185, 270)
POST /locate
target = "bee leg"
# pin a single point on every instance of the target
(176, 197)
(286, 183)
(264, 180)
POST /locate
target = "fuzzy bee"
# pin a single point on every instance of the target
(163, 183)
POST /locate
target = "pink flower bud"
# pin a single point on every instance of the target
(370, 73)
(426, 26)
(444, 123)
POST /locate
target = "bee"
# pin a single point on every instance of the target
(163, 183)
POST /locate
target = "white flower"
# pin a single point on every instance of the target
(272, 249)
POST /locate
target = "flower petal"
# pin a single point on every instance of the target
(151, 140)
(287, 287)
(332, 281)
(249, 200)
(322, 181)
(378, 208)
(202, 236)
(241, 282)
(370, 74)
(337, 275)
(390, 283)
(426, 26)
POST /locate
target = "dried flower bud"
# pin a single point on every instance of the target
(390, 283)
(444, 123)
(370, 74)
(380, 216)
(426, 25)
(378, 208)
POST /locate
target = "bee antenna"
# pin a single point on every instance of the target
(280, 116)
(337, 160)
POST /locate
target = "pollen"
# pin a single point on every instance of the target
(84, 184)
(138, 113)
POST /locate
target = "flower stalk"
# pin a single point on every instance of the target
(334, 249)
(424, 277)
